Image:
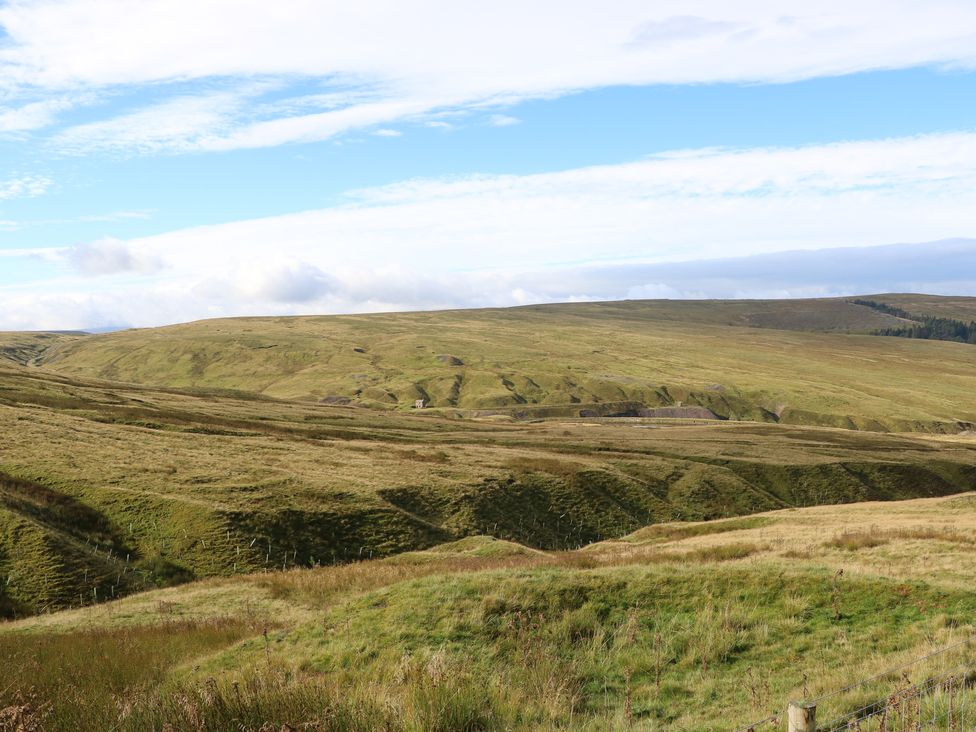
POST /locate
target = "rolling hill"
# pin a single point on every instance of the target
(683, 626)
(108, 488)
(807, 362)
(611, 516)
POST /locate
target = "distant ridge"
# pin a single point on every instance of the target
(791, 361)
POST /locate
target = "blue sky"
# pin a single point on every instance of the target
(306, 160)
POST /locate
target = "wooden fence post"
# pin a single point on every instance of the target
(802, 717)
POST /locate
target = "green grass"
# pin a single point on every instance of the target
(719, 627)
(673, 641)
(796, 362)
(676, 531)
(645, 647)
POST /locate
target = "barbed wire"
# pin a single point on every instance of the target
(773, 718)
(892, 670)
(842, 721)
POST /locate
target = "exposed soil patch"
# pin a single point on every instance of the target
(335, 400)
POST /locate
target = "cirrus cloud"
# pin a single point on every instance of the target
(384, 62)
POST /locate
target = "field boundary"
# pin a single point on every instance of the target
(943, 700)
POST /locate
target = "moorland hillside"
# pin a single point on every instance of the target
(109, 488)
(807, 362)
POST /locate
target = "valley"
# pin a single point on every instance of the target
(609, 524)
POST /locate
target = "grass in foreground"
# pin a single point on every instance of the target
(94, 679)
(623, 635)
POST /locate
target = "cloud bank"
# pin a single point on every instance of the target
(296, 288)
(588, 233)
(682, 205)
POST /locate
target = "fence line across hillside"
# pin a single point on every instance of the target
(943, 701)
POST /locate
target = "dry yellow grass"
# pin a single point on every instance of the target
(929, 540)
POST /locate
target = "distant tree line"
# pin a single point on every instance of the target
(923, 326)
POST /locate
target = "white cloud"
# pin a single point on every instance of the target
(34, 115)
(115, 216)
(439, 45)
(391, 61)
(695, 204)
(386, 132)
(26, 186)
(11, 225)
(503, 120)
(270, 281)
(180, 124)
(112, 256)
(677, 28)
(661, 291)
(484, 240)
(291, 287)
(51, 254)
(898, 165)
(317, 126)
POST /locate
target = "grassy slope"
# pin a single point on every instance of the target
(107, 488)
(23, 348)
(111, 488)
(655, 353)
(684, 627)
(956, 308)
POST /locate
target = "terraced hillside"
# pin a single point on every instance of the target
(687, 627)
(805, 362)
(107, 488)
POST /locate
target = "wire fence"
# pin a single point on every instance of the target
(905, 698)
(945, 703)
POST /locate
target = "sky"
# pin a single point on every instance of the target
(167, 160)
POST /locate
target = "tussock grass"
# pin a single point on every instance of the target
(275, 698)
(318, 588)
(92, 679)
(852, 541)
(723, 552)
(855, 540)
(933, 533)
(622, 635)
